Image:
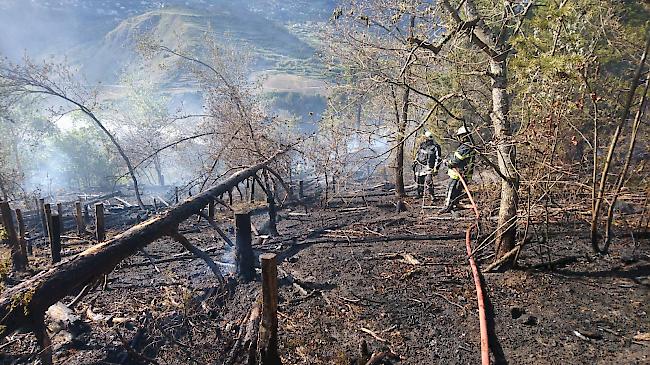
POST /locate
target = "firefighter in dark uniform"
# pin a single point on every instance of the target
(426, 163)
(461, 162)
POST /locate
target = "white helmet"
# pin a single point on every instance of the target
(462, 131)
(428, 134)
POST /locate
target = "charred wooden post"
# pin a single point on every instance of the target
(55, 244)
(301, 189)
(79, 218)
(18, 260)
(155, 205)
(100, 229)
(25, 248)
(176, 193)
(41, 213)
(252, 198)
(211, 210)
(86, 212)
(273, 212)
(244, 247)
(268, 337)
(230, 196)
(47, 211)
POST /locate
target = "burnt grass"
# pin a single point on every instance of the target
(414, 297)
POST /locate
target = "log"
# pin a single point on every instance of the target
(18, 261)
(22, 303)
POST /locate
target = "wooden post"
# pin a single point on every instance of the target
(301, 189)
(59, 210)
(176, 193)
(273, 212)
(100, 230)
(211, 209)
(155, 205)
(268, 337)
(25, 248)
(41, 213)
(81, 224)
(244, 249)
(18, 261)
(86, 214)
(47, 211)
(252, 198)
(55, 244)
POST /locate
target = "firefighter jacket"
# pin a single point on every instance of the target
(463, 161)
(427, 158)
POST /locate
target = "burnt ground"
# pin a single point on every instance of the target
(413, 296)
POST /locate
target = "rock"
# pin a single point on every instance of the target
(516, 312)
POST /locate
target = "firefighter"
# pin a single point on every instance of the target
(461, 162)
(426, 163)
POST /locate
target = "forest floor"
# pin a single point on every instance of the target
(399, 282)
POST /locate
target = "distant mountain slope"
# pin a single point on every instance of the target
(99, 34)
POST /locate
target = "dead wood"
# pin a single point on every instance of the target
(292, 280)
(214, 225)
(22, 303)
(198, 253)
(247, 340)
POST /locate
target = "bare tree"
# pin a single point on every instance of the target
(58, 80)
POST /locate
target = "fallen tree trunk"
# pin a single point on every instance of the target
(21, 304)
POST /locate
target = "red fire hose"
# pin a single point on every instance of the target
(485, 352)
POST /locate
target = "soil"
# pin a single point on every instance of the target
(413, 296)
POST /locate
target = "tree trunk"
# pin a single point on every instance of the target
(612, 146)
(3, 190)
(506, 155)
(158, 167)
(399, 156)
(623, 174)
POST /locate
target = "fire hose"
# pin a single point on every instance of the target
(485, 352)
